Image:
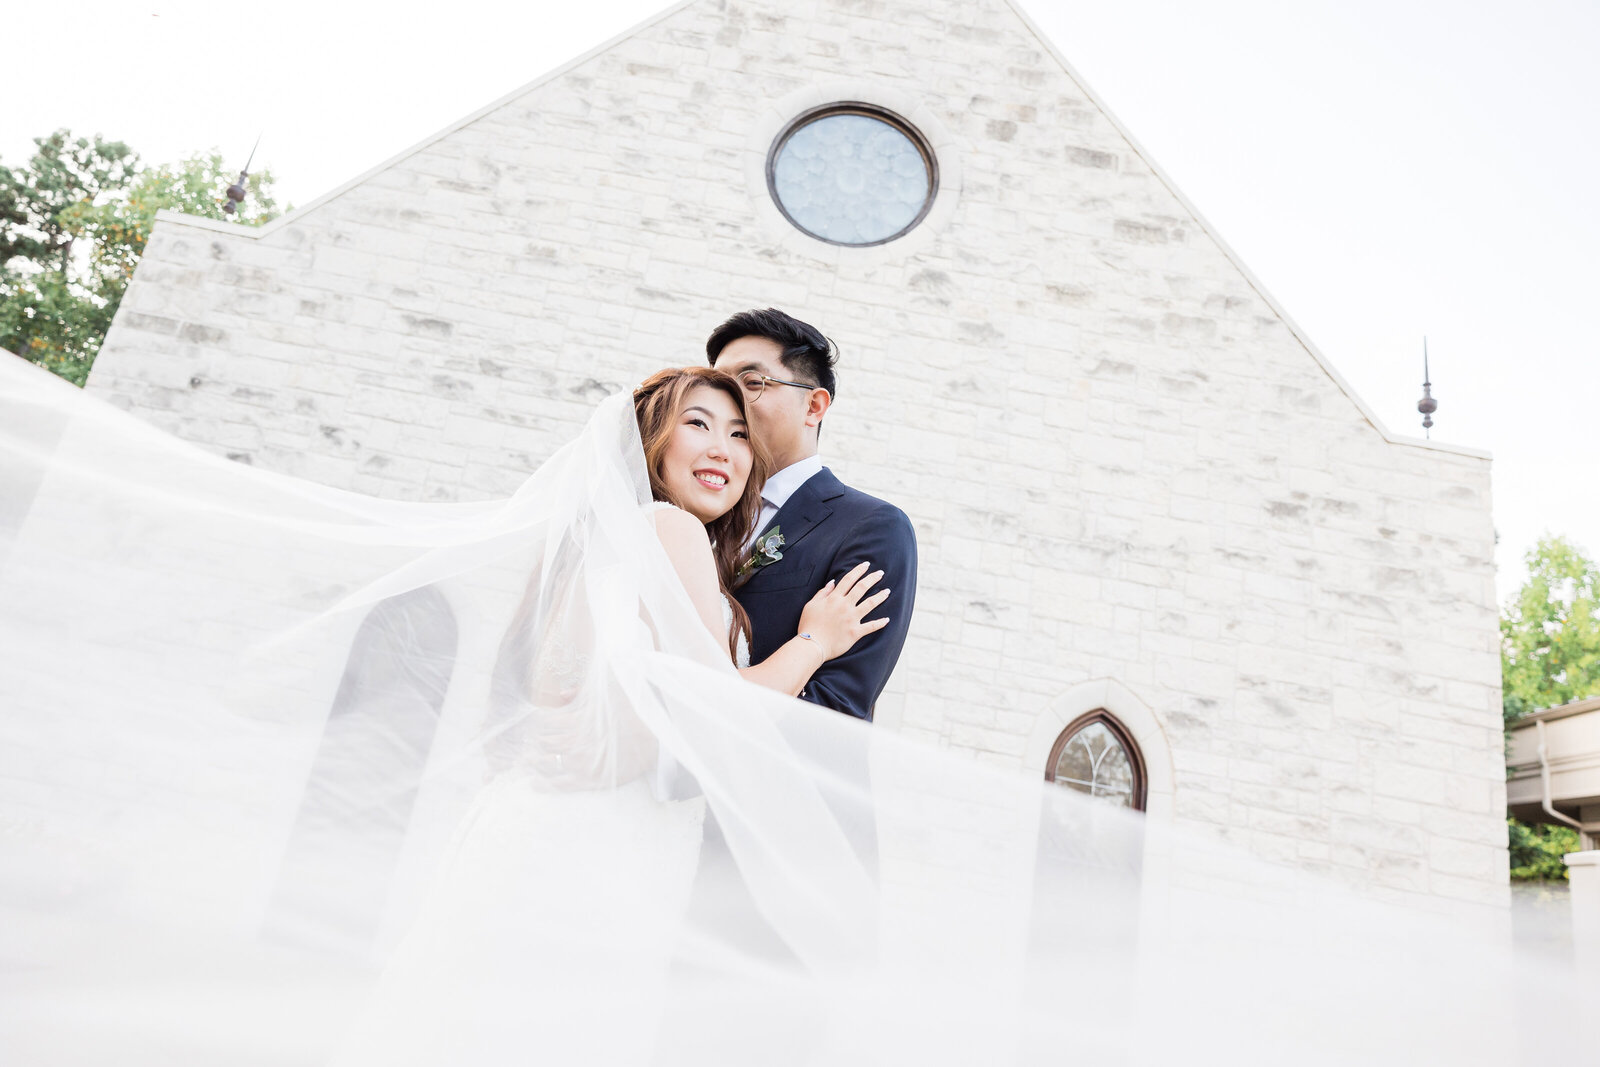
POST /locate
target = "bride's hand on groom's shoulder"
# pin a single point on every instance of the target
(833, 618)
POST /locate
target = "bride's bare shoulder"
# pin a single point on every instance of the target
(678, 529)
(688, 548)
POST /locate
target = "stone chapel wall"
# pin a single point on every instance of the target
(1121, 460)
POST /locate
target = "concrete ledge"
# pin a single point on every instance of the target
(1583, 875)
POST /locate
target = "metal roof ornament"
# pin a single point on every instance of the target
(236, 190)
(1427, 405)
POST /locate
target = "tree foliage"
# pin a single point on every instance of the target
(73, 224)
(1536, 851)
(1550, 634)
(1549, 655)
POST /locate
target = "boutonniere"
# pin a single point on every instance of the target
(767, 550)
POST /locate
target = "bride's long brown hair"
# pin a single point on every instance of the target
(657, 402)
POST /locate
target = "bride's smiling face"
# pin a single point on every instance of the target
(707, 460)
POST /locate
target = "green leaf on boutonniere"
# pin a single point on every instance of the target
(767, 550)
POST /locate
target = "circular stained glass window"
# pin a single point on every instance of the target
(852, 174)
(1096, 756)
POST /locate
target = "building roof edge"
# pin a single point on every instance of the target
(1233, 257)
(283, 220)
(1560, 711)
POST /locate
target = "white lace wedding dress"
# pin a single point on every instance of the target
(742, 644)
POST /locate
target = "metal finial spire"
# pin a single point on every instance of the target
(1427, 405)
(236, 190)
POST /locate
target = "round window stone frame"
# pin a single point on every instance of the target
(896, 122)
(770, 226)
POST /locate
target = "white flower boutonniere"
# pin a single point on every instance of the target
(766, 551)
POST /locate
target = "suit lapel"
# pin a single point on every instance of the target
(804, 511)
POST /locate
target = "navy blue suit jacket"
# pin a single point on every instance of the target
(828, 528)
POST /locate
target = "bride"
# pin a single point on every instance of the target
(625, 851)
(289, 775)
(706, 474)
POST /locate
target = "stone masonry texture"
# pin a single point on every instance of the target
(1120, 460)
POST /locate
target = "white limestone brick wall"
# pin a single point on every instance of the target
(1122, 462)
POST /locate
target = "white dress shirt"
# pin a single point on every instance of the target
(779, 488)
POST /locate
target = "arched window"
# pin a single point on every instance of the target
(1096, 755)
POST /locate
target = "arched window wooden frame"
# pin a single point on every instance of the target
(1118, 731)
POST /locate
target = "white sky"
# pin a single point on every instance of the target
(1387, 168)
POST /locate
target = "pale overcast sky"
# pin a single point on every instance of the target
(1387, 168)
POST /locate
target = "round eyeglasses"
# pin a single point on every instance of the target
(754, 384)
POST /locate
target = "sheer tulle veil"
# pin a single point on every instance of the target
(294, 776)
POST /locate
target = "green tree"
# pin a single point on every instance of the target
(63, 172)
(1549, 655)
(1536, 851)
(49, 311)
(73, 225)
(1550, 634)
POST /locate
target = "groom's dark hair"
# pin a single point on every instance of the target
(807, 354)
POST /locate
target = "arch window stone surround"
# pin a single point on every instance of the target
(1078, 705)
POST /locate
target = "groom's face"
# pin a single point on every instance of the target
(779, 414)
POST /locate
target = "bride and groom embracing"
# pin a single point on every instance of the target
(501, 750)
(757, 520)
(659, 831)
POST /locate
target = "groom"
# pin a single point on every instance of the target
(786, 369)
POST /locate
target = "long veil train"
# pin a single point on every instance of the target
(295, 776)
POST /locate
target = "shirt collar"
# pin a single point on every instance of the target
(782, 485)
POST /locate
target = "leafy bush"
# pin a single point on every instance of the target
(1536, 851)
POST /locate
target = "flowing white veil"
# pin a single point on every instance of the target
(295, 776)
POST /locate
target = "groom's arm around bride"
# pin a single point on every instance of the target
(813, 528)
